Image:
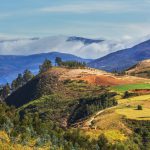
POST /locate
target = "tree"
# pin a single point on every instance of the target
(73, 64)
(19, 80)
(139, 107)
(58, 61)
(14, 85)
(5, 91)
(27, 75)
(126, 94)
(45, 66)
(103, 142)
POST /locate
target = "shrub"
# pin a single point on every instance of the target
(139, 107)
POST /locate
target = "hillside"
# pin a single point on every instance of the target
(120, 122)
(142, 69)
(79, 106)
(11, 65)
(51, 82)
(123, 59)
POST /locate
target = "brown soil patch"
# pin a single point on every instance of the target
(97, 77)
(107, 80)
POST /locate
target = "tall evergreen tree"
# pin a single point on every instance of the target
(6, 91)
(14, 85)
(19, 80)
(58, 61)
(45, 66)
(27, 75)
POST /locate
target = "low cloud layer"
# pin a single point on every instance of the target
(60, 44)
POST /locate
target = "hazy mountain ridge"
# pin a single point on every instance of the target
(123, 59)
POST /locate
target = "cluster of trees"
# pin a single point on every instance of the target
(69, 64)
(22, 79)
(5, 91)
(22, 130)
(17, 83)
(128, 94)
(47, 64)
(27, 75)
(141, 132)
(119, 73)
(88, 106)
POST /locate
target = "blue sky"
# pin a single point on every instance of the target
(89, 18)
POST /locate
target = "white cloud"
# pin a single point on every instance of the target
(95, 6)
(60, 44)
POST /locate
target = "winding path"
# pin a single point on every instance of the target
(89, 122)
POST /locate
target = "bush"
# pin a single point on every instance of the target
(139, 107)
(128, 94)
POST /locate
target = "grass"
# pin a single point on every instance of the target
(133, 113)
(127, 107)
(111, 135)
(39, 101)
(128, 87)
(111, 122)
(133, 99)
(92, 133)
(115, 135)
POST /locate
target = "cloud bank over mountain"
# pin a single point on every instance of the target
(82, 47)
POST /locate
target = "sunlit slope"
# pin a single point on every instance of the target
(142, 69)
(112, 121)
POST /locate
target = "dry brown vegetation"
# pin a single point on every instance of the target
(98, 77)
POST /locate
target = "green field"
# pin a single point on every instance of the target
(128, 87)
(133, 113)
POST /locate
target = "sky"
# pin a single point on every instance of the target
(111, 19)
